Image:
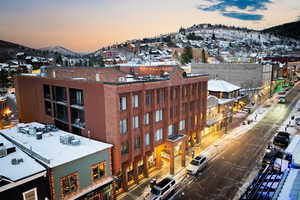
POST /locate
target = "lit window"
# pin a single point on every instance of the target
(69, 184)
(30, 195)
(171, 130)
(98, 170)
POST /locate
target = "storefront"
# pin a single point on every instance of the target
(103, 192)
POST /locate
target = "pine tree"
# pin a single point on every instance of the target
(187, 55)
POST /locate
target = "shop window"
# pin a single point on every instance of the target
(98, 170)
(69, 184)
(30, 195)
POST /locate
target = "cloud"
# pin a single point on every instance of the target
(243, 7)
(243, 16)
(298, 18)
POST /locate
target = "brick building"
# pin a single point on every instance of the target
(150, 120)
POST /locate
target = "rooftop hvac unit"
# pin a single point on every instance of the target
(39, 136)
(75, 142)
(16, 161)
(3, 152)
(32, 131)
(66, 139)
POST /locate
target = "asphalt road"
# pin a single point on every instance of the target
(229, 171)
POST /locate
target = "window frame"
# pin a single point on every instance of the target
(97, 165)
(68, 176)
(28, 191)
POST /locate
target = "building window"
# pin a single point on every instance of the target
(147, 139)
(124, 148)
(159, 134)
(146, 119)
(171, 130)
(159, 115)
(61, 112)
(98, 170)
(123, 126)
(48, 108)
(76, 97)
(59, 94)
(30, 195)
(148, 98)
(47, 91)
(181, 125)
(135, 122)
(160, 96)
(137, 142)
(123, 103)
(135, 101)
(69, 184)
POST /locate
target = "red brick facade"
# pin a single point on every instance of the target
(184, 98)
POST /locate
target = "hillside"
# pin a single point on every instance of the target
(60, 50)
(291, 30)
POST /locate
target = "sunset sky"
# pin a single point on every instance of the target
(87, 25)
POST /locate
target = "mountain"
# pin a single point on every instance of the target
(9, 49)
(61, 50)
(291, 30)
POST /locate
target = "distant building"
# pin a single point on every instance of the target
(77, 167)
(21, 177)
(253, 79)
(199, 55)
(146, 117)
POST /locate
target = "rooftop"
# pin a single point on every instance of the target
(14, 172)
(221, 86)
(53, 148)
(113, 75)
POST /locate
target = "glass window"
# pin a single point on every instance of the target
(123, 103)
(171, 130)
(48, 108)
(159, 134)
(46, 91)
(147, 139)
(137, 142)
(124, 148)
(182, 125)
(135, 101)
(158, 115)
(146, 118)
(135, 122)
(98, 170)
(148, 98)
(69, 184)
(123, 126)
(30, 195)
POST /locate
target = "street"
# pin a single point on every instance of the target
(228, 172)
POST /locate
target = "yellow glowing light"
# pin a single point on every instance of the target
(7, 111)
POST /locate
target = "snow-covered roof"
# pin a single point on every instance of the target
(224, 101)
(24, 169)
(221, 86)
(49, 149)
(291, 186)
(294, 150)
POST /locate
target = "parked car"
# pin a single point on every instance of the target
(162, 189)
(281, 141)
(268, 158)
(281, 93)
(197, 164)
(284, 134)
(292, 83)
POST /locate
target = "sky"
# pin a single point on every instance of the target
(87, 25)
